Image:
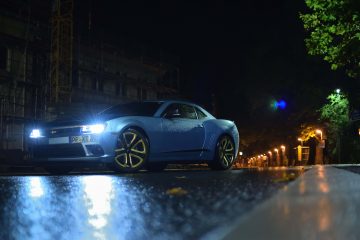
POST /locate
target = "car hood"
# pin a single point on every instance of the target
(94, 119)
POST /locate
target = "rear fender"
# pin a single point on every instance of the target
(214, 130)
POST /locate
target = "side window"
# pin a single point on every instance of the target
(187, 111)
(200, 114)
(172, 110)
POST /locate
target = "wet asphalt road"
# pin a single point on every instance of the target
(167, 205)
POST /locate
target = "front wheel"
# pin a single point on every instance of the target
(224, 154)
(131, 152)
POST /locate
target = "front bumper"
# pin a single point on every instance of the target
(73, 161)
(90, 148)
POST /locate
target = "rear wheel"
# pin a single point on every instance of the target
(224, 154)
(131, 152)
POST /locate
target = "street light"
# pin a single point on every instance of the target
(301, 140)
(320, 132)
(282, 148)
(277, 157)
(338, 90)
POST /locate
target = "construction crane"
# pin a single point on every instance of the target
(61, 57)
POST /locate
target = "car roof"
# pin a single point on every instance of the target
(171, 101)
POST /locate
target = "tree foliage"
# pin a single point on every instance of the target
(308, 132)
(336, 112)
(336, 115)
(334, 27)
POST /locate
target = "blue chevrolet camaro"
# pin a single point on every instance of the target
(139, 135)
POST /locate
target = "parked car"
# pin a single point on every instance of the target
(138, 135)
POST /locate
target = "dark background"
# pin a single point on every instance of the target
(235, 58)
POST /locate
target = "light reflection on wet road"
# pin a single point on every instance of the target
(129, 206)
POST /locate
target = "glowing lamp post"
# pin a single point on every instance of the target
(319, 157)
(270, 158)
(283, 156)
(319, 132)
(301, 140)
(277, 157)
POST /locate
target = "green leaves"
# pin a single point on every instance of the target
(334, 33)
(336, 114)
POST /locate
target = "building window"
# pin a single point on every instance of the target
(139, 93)
(3, 57)
(124, 90)
(101, 85)
(117, 89)
(94, 84)
(143, 94)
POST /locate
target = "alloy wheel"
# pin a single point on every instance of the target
(131, 151)
(226, 151)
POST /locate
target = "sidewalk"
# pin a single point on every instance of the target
(323, 203)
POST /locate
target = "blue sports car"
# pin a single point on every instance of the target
(139, 135)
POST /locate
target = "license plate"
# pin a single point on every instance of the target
(80, 139)
(76, 139)
(59, 140)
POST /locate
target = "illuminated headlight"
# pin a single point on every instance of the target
(94, 128)
(35, 133)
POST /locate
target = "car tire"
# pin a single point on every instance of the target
(131, 151)
(58, 170)
(224, 154)
(156, 167)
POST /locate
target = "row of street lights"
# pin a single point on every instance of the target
(269, 159)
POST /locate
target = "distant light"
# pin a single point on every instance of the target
(282, 104)
(240, 153)
(35, 133)
(338, 90)
(278, 104)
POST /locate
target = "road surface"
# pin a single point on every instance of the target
(175, 204)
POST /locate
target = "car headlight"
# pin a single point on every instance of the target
(35, 133)
(94, 128)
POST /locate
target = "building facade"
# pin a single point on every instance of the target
(103, 74)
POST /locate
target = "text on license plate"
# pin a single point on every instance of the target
(80, 139)
(59, 140)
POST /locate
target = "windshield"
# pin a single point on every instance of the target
(133, 109)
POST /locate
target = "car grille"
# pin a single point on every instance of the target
(58, 151)
(61, 132)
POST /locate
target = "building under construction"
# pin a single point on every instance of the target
(47, 69)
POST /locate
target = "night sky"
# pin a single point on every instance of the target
(238, 55)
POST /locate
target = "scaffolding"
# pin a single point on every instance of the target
(61, 51)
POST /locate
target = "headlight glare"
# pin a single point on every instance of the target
(94, 128)
(35, 133)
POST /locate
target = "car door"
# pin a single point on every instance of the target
(182, 133)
